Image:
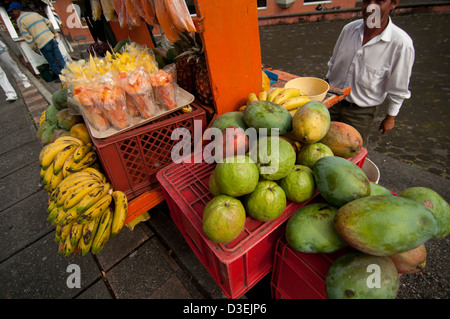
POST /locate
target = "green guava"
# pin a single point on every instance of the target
(212, 184)
(299, 184)
(223, 219)
(266, 202)
(236, 175)
(311, 153)
(275, 157)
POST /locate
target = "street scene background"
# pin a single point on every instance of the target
(421, 134)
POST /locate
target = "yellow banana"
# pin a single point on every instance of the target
(95, 210)
(58, 234)
(286, 94)
(92, 197)
(69, 161)
(42, 172)
(48, 175)
(68, 247)
(61, 157)
(120, 212)
(295, 102)
(263, 96)
(59, 216)
(61, 247)
(95, 171)
(81, 151)
(43, 150)
(65, 231)
(242, 108)
(78, 194)
(51, 153)
(75, 233)
(87, 237)
(67, 192)
(51, 205)
(52, 214)
(103, 232)
(70, 216)
(56, 179)
(252, 97)
(69, 181)
(69, 138)
(271, 96)
(86, 161)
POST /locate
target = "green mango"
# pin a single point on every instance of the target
(340, 181)
(361, 276)
(434, 202)
(385, 225)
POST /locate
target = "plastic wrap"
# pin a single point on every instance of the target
(119, 7)
(96, 10)
(180, 15)
(113, 102)
(133, 16)
(108, 10)
(171, 31)
(85, 94)
(165, 89)
(147, 11)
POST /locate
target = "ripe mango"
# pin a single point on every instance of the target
(385, 225)
(311, 122)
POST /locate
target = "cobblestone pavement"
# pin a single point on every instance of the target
(421, 135)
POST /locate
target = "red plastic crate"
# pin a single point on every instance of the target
(298, 275)
(132, 159)
(235, 266)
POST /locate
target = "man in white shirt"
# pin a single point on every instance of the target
(375, 58)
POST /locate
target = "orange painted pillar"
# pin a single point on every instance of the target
(232, 48)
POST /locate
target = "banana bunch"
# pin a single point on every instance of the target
(83, 206)
(291, 99)
(86, 212)
(63, 157)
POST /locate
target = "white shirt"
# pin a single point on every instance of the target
(378, 70)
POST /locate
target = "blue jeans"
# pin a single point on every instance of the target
(51, 53)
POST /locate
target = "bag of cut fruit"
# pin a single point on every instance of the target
(139, 92)
(87, 94)
(113, 101)
(164, 85)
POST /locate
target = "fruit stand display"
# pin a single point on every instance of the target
(280, 188)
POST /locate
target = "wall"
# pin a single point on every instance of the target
(297, 11)
(68, 22)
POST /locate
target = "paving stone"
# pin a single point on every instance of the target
(98, 290)
(142, 273)
(19, 185)
(24, 223)
(14, 140)
(14, 120)
(38, 272)
(121, 245)
(20, 157)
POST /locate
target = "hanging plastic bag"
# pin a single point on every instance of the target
(133, 17)
(169, 28)
(108, 10)
(96, 10)
(180, 15)
(146, 11)
(119, 7)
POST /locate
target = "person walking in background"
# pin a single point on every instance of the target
(11, 65)
(375, 58)
(38, 32)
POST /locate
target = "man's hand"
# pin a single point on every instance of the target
(387, 124)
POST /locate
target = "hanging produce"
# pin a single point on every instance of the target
(108, 10)
(146, 11)
(180, 15)
(165, 21)
(96, 10)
